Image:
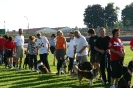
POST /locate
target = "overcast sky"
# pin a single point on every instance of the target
(48, 13)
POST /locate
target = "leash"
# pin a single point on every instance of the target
(106, 60)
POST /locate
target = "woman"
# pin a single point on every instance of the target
(60, 49)
(71, 52)
(52, 41)
(117, 56)
(9, 50)
(33, 52)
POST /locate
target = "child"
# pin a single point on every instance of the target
(9, 50)
(33, 52)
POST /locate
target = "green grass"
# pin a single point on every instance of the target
(10, 78)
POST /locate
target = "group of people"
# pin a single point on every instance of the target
(107, 53)
(104, 52)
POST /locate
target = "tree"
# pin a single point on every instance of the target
(118, 24)
(127, 15)
(96, 15)
(93, 16)
(110, 14)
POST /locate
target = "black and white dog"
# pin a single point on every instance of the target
(42, 68)
(63, 67)
(125, 81)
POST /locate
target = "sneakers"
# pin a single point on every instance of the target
(112, 86)
(37, 71)
(17, 68)
(116, 86)
(20, 68)
(103, 83)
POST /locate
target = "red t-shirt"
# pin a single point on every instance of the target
(2, 42)
(10, 45)
(117, 45)
(131, 42)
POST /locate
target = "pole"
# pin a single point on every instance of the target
(4, 25)
(27, 21)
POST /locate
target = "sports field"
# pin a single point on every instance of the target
(10, 78)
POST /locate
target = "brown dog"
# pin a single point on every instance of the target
(42, 68)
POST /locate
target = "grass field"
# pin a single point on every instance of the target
(10, 78)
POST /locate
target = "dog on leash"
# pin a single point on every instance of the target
(125, 81)
(85, 70)
(42, 68)
(63, 68)
(26, 61)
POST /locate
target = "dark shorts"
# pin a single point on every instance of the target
(52, 49)
(9, 54)
(116, 69)
(94, 58)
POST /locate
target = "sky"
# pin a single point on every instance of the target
(15, 14)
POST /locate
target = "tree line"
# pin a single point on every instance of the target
(97, 16)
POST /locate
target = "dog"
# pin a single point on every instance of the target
(42, 68)
(26, 61)
(125, 81)
(63, 67)
(85, 70)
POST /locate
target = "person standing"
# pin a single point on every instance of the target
(9, 50)
(81, 47)
(94, 56)
(71, 52)
(19, 43)
(131, 44)
(52, 41)
(101, 46)
(44, 48)
(33, 52)
(2, 41)
(60, 49)
(117, 56)
(5, 40)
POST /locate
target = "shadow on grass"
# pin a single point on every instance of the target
(24, 79)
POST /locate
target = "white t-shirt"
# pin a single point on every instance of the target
(70, 52)
(80, 43)
(19, 40)
(42, 44)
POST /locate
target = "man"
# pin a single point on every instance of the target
(81, 47)
(94, 59)
(117, 57)
(44, 48)
(19, 43)
(102, 47)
